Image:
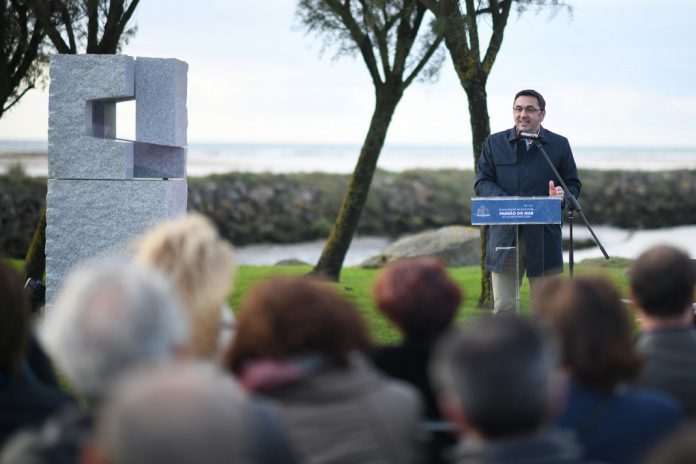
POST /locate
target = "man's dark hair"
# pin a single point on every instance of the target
(499, 369)
(535, 94)
(662, 281)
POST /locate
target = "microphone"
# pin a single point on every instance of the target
(529, 136)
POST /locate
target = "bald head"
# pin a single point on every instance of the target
(175, 414)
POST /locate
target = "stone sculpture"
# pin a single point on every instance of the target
(102, 192)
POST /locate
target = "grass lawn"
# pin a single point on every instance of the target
(356, 284)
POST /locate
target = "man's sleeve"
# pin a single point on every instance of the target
(486, 178)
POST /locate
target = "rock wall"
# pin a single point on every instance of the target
(252, 208)
(639, 200)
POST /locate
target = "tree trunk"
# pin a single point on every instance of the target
(334, 252)
(480, 130)
(35, 260)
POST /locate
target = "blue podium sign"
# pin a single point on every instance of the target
(515, 210)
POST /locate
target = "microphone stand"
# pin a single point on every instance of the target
(571, 254)
(573, 205)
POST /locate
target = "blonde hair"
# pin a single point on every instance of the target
(201, 266)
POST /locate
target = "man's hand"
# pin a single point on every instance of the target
(555, 191)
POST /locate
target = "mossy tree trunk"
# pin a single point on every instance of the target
(35, 260)
(388, 37)
(460, 29)
(336, 247)
(480, 130)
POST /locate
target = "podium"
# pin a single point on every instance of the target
(509, 211)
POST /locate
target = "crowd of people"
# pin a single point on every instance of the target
(154, 367)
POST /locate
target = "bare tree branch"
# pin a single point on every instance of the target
(67, 19)
(94, 26)
(381, 38)
(423, 61)
(472, 30)
(21, 62)
(432, 5)
(126, 17)
(500, 16)
(16, 99)
(92, 13)
(406, 33)
(44, 10)
(362, 40)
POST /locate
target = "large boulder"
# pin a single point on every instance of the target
(455, 245)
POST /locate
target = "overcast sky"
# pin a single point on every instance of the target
(619, 72)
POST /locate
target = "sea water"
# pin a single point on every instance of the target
(209, 158)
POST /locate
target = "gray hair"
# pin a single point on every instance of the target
(111, 316)
(176, 414)
(499, 370)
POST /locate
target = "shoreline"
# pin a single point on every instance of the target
(204, 160)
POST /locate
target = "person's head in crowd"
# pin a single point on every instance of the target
(285, 317)
(14, 320)
(177, 413)
(109, 317)
(417, 295)
(495, 378)
(662, 284)
(201, 265)
(593, 327)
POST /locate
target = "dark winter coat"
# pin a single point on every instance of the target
(507, 168)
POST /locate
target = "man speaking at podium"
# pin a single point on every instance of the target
(512, 165)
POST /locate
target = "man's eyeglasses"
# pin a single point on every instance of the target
(528, 109)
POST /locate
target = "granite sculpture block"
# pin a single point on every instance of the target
(103, 192)
(82, 116)
(158, 161)
(91, 218)
(161, 118)
(160, 86)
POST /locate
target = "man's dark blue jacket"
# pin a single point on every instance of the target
(507, 168)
